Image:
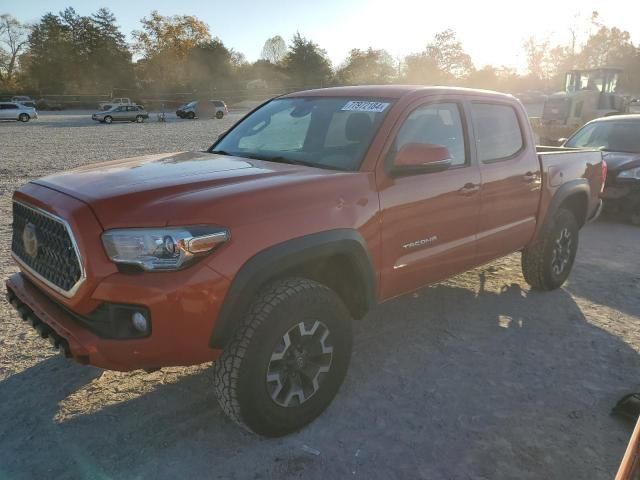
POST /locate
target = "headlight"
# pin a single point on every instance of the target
(632, 173)
(161, 249)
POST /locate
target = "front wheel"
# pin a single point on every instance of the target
(191, 115)
(23, 117)
(219, 115)
(139, 119)
(287, 361)
(108, 119)
(547, 262)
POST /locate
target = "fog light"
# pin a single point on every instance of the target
(140, 322)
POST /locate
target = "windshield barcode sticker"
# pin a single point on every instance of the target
(360, 106)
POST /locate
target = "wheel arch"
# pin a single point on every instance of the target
(574, 196)
(336, 258)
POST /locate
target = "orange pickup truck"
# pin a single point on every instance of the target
(313, 208)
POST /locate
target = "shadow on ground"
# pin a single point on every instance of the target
(467, 379)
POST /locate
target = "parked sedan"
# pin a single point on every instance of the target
(17, 111)
(122, 113)
(619, 137)
(212, 108)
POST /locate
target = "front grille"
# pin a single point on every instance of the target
(46, 249)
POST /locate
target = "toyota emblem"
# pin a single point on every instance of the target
(30, 240)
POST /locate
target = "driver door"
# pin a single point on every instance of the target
(120, 113)
(429, 220)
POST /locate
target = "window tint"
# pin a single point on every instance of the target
(217, 103)
(438, 124)
(613, 136)
(498, 132)
(9, 106)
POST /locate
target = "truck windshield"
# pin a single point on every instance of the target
(323, 132)
(613, 136)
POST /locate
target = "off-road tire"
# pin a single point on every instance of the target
(538, 257)
(219, 115)
(240, 374)
(23, 117)
(108, 119)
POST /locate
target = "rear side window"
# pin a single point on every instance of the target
(9, 106)
(498, 134)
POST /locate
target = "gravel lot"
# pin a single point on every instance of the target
(477, 377)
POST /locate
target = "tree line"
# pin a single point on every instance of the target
(67, 53)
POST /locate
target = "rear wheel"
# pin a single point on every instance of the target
(108, 119)
(23, 117)
(547, 262)
(287, 361)
(191, 115)
(139, 119)
(219, 115)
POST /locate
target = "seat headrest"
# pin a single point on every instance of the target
(358, 127)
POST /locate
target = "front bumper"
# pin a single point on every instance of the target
(182, 310)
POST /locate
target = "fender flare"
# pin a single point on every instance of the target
(566, 190)
(275, 261)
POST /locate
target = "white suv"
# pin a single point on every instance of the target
(115, 102)
(17, 111)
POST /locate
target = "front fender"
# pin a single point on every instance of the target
(276, 261)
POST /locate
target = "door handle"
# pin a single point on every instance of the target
(469, 189)
(530, 177)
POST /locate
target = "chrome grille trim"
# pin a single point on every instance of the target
(65, 293)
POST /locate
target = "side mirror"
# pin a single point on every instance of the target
(421, 158)
(562, 141)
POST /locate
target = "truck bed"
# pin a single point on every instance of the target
(562, 166)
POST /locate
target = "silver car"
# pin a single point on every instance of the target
(122, 113)
(17, 111)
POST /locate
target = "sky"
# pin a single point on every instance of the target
(492, 31)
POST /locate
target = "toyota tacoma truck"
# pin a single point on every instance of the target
(257, 253)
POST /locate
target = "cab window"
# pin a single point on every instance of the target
(439, 124)
(498, 133)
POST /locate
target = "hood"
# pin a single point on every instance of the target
(155, 189)
(618, 161)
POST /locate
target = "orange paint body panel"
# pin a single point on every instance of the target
(415, 229)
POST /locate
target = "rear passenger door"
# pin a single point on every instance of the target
(429, 220)
(510, 172)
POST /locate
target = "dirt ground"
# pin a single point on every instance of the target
(474, 378)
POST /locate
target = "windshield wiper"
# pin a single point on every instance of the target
(291, 161)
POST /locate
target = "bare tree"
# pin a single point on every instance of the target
(13, 39)
(274, 49)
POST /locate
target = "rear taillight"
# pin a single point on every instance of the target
(605, 169)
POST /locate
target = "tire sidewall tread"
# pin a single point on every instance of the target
(536, 258)
(239, 373)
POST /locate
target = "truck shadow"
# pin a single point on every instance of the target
(603, 262)
(460, 380)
